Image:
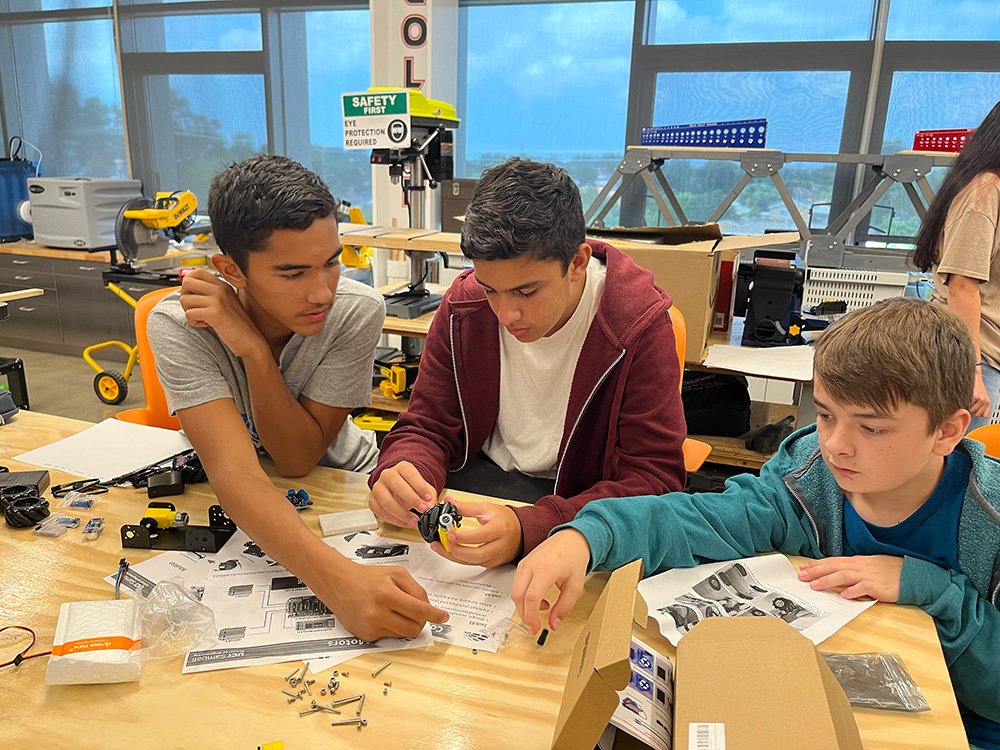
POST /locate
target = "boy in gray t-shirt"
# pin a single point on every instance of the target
(272, 357)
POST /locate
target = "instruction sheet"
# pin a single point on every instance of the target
(645, 707)
(474, 596)
(765, 586)
(263, 613)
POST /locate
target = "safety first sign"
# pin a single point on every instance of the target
(377, 120)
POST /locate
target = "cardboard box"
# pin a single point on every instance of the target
(690, 274)
(600, 665)
(765, 683)
(759, 678)
(725, 296)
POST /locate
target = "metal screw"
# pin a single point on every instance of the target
(292, 700)
(294, 672)
(289, 692)
(310, 682)
(308, 711)
(361, 705)
(308, 689)
(329, 708)
(346, 674)
(351, 699)
(314, 703)
(388, 684)
(294, 681)
(359, 722)
(378, 671)
(385, 691)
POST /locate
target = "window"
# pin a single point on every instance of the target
(805, 113)
(62, 94)
(227, 33)
(337, 60)
(718, 21)
(552, 86)
(943, 20)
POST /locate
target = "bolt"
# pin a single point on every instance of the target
(314, 703)
(342, 701)
(298, 695)
(294, 672)
(359, 722)
(388, 684)
(346, 674)
(361, 705)
(292, 700)
(308, 689)
(310, 682)
(308, 711)
(379, 670)
(330, 709)
(294, 681)
(289, 692)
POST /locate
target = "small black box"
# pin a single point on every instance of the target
(37, 479)
(165, 483)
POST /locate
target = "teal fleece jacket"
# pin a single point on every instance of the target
(796, 507)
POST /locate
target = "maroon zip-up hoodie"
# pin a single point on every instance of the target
(624, 422)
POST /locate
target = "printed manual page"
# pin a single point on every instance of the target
(765, 586)
(645, 707)
(475, 597)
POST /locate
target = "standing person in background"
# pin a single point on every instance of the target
(960, 241)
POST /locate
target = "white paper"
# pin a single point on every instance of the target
(782, 362)
(263, 613)
(108, 449)
(645, 707)
(474, 596)
(752, 587)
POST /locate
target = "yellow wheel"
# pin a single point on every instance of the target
(110, 387)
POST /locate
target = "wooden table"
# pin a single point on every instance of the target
(441, 697)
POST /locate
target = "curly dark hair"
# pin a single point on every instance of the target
(248, 200)
(524, 208)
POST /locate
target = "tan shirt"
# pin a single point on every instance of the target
(970, 246)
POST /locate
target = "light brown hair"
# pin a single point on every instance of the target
(899, 350)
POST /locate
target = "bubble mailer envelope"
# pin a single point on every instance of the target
(95, 642)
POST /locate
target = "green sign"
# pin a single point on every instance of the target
(376, 119)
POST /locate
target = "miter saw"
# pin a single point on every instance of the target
(147, 225)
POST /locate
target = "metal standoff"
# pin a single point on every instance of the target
(378, 671)
(359, 722)
(361, 705)
(329, 708)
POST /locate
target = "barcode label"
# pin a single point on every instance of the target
(706, 736)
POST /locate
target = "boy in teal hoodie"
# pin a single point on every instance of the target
(883, 490)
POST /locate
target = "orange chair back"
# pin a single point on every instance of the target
(695, 451)
(155, 413)
(989, 436)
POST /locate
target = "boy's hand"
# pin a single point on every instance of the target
(398, 489)
(498, 536)
(980, 397)
(562, 560)
(208, 301)
(876, 576)
(382, 600)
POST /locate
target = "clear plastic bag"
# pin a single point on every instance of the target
(876, 681)
(503, 633)
(171, 621)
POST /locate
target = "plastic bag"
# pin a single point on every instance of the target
(171, 621)
(876, 681)
(503, 633)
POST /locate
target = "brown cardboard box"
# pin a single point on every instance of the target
(765, 682)
(600, 663)
(725, 297)
(690, 274)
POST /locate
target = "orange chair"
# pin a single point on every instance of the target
(155, 413)
(695, 451)
(989, 436)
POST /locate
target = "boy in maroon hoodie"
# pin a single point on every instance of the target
(549, 376)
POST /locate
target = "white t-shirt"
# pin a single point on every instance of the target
(535, 380)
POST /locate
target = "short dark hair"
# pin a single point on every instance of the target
(524, 208)
(248, 200)
(899, 350)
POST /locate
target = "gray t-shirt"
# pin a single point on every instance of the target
(333, 367)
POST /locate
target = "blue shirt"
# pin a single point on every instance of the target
(931, 534)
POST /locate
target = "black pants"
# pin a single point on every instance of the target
(483, 477)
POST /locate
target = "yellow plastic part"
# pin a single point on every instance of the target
(372, 419)
(394, 385)
(182, 205)
(353, 255)
(272, 746)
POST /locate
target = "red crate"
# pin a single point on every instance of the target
(950, 141)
